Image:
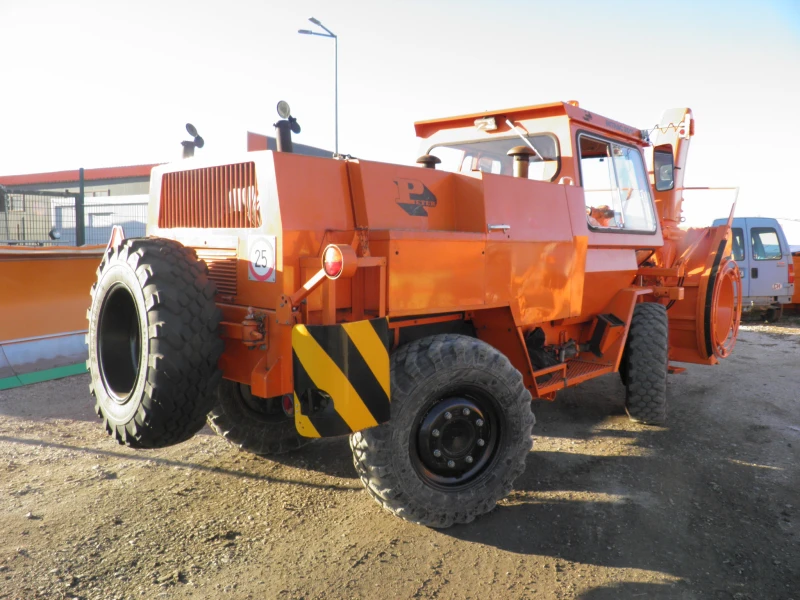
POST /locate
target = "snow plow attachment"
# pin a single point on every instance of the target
(45, 295)
(704, 322)
(704, 325)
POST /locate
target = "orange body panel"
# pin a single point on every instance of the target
(506, 254)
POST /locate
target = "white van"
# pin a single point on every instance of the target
(765, 260)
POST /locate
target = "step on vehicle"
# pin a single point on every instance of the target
(417, 309)
(762, 252)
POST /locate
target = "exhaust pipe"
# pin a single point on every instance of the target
(522, 157)
(283, 136)
(285, 127)
(428, 161)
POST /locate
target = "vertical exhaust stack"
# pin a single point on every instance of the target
(285, 127)
(522, 158)
(283, 136)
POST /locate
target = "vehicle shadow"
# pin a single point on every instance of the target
(630, 589)
(666, 503)
(150, 456)
(329, 456)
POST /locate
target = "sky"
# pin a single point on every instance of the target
(95, 83)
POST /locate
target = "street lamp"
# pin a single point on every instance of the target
(330, 34)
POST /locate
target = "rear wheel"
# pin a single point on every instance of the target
(644, 364)
(257, 425)
(459, 432)
(153, 342)
(774, 314)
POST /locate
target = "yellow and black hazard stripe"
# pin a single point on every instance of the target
(341, 377)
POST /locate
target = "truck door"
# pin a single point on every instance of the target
(741, 258)
(531, 257)
(767, 277)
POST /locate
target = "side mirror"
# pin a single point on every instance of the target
(663, 168)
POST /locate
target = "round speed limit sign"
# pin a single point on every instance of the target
(261, 258)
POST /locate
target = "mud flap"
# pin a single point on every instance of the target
(341, 377)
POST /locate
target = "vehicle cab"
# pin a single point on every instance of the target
(762, 252)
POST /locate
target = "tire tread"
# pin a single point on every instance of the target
(183, 345)
(373, 451)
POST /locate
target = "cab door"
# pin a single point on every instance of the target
(767, 264)
(741, 255)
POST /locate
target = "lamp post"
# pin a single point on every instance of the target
(329, 34)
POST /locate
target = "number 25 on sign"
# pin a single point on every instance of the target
(261, 258)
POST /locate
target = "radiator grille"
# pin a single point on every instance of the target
(221, 268)
(224, 196)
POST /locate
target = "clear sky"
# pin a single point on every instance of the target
(112, 82)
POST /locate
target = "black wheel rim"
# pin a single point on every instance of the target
(119, 343)
(455, 440)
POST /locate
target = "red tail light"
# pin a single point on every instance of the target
(333, 261)
(287, 404)
(791, 274)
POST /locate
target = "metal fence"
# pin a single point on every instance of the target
(48, 218)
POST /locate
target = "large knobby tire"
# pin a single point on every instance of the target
(461, 395)
(644, 364)
(256, 425)
(153, 342)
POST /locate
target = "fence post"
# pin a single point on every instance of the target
(6, 201)
(80, 222)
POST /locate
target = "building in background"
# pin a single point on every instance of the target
(112, 181)
(39, 208)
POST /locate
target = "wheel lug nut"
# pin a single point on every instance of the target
(437, 453)
(435, 433)
(451, 464)
(448, 415)
(481, 442)
(465, 412)
(479, 422)
(468, 459)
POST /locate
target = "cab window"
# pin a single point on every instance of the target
(738, 244)
(765, 242)
(490, 156)
(615, 186)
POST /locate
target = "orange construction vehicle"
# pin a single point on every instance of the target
(417, 309)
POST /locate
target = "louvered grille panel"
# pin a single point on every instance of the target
(221, 268)
(224, 196)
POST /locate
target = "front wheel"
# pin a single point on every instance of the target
(645, 363)
(459, 432)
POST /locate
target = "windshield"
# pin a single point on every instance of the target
(615, 186)
(490, 156)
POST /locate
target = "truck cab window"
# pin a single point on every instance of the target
(615, 186)
(766, 245)
(489, 156)
(738, 244)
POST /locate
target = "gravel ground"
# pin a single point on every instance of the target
(706, 507)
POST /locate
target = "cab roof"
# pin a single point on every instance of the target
(571, 110)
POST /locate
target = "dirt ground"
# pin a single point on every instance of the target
(707, 507)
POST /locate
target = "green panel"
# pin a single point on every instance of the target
(46, 375)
